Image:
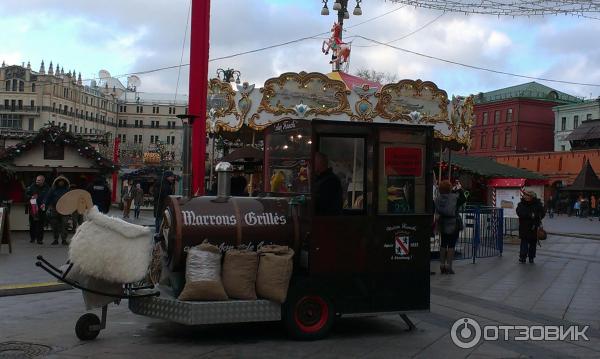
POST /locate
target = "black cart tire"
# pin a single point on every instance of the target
(308, 316)
(82, 328)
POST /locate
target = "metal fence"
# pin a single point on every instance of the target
(481, 237)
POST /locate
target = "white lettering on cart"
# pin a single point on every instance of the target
(190, 218)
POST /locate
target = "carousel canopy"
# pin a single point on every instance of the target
(341, 98)
(586, 180)
(352, 81)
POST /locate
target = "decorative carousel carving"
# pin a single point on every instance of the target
(220, 103)
(397, 101)
(363, 107)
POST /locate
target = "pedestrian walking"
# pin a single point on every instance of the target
(34, 196)
(138, 199)
(162, 191)
(126, 197)
(100, 193)
(550, 207)
(530, 212)
(58, 222)
(449, 221)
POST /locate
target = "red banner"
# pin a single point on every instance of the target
(403, 161)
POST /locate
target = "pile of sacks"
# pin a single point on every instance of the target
(238, 274)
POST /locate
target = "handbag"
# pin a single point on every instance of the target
(541, 234)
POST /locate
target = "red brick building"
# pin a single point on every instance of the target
(516, 119)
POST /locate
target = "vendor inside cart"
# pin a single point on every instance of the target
(328, 188)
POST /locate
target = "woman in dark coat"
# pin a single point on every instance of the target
(530, 211)
(446, 205)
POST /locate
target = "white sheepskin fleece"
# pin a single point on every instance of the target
(111, 249)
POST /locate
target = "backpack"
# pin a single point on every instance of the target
(445, 205)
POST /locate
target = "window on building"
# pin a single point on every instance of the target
(7, 85)
(32, 104)
(483, 143)
(563, 124)
(75, 129)
(13, 105)
(485, 119)
(33, 87)
(575, 121)
(140, 138)
(507, 139)
(14, 85)
(497, 117)
(6, 104)
(157, 109)
(85, 130)
(495, 139)
(31, 123)
(21, 86)
(509, 115)
(588, 117)
(124, 138)
(141, 123)
(11, 121)
(562, 147)
(120, 123)
(20, 104)
(136, 124)
(172, 140)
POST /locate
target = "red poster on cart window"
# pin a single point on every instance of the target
(403, 161)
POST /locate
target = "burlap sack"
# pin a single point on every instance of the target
(275, 267)
(203, 274)
(239, 274)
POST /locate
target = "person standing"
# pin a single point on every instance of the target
(35, 195)
(126, 197)
(530, 212)
(100, 193)
(162, 191)
(329, 196)
(60, 186)
(550, 207)
(577, 207)
(138, 200)
(447, 204)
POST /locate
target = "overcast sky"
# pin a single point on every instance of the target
(135, 35)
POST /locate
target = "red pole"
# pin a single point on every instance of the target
(199, 46)
(114, 174)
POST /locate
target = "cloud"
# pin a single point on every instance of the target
(136, 35)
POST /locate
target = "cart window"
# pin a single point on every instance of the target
(287, 157)
(402, 186)
(346, 157)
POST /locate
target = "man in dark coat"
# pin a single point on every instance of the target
(58, 222)
(100, 193)
(37, 192)
(530, 211)
(161, 193)
(328, 188)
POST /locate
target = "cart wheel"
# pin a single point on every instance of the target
(87, 327)
(308, 316)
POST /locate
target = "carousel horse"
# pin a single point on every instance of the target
(341, 50)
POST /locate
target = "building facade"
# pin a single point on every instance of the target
(569, 117)
(142, 122)
(516, 119)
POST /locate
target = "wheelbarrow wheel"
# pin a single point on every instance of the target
(87, 327)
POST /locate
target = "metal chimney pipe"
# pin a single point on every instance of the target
(224, 170)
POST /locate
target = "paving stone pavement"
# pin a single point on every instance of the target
(561, 288)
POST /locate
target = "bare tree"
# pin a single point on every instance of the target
(377, 76)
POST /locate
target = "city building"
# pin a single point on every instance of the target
(516, 119)
(571, 116)
(143, 122)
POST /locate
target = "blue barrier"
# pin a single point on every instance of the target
(481, 237)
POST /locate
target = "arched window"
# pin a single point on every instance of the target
(21, 86)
